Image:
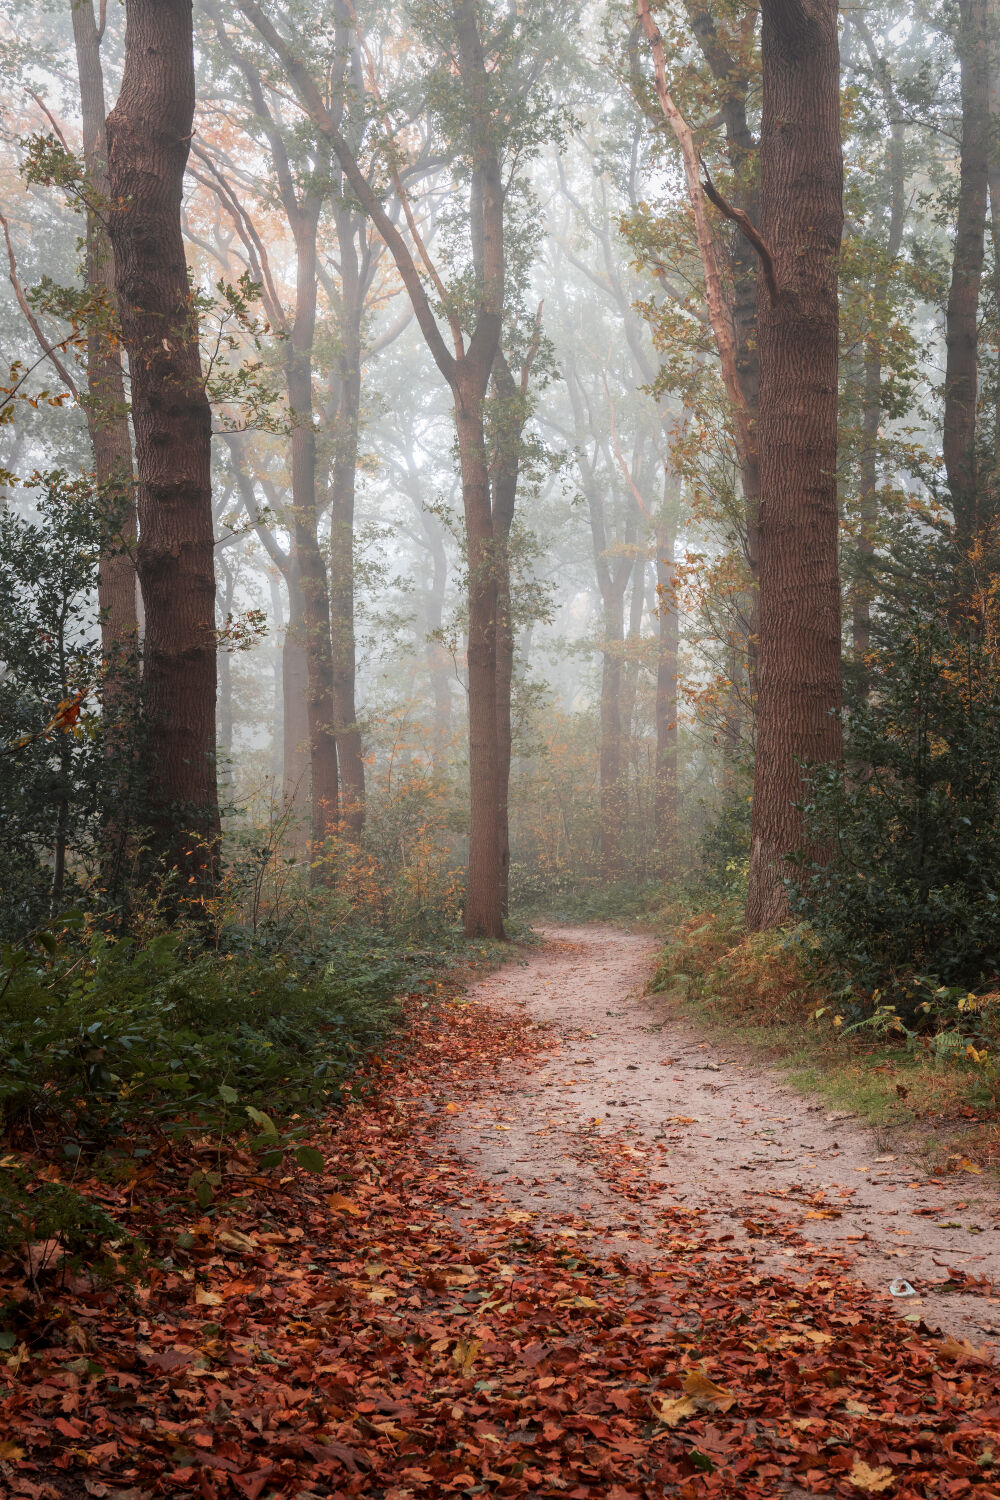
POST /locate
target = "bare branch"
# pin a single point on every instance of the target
(48, 350)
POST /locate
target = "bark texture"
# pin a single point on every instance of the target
(106, 410)
(962, 318)
(310, 564)
(799, 689)
(149, 135)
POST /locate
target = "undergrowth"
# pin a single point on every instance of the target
(114, 1050)
(774, 993)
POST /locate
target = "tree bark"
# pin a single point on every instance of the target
(961, 381)
(310, 567)
(106, 408)
(668, 643)
(799, 690)
(350, 751)
(149, 133)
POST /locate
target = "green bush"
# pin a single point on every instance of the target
(101, 1039)
(912, 822)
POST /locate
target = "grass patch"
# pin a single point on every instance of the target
(762, 991)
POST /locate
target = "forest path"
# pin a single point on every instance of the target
(635, 1119)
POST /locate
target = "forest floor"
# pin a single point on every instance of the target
(566, 1247)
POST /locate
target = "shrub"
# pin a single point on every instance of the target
(101, 1039)
(912, 822)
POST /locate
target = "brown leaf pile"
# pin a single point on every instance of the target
(395, 1329)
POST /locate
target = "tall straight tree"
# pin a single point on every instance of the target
(961, 381)
(801, 202)
(490, 128)
(149, 135)
(107, 414)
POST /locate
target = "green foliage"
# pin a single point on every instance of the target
(55, 774)
(725, 851)
(912, 822)
(102, 1040)
(570, 897)
(57, 1222)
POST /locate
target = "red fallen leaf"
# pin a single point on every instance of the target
(169, 1359)
(251, 1485)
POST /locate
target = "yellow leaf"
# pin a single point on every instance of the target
(823, 1213)
(965, 1165)
(206, 1299)
(706, 1394)
(345, 1205)
(872, 1481)
(672, 1412)
(10, 1452)
(452, 1109)
(465, 1354)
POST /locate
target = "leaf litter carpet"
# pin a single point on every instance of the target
(528, 1270)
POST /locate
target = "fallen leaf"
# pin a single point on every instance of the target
(344, 1205)
(10, 1452)
(706, 1394)
(465, 1354)
(206, 1299)
(962, 1350)
(871, 1481)
(672, 1412)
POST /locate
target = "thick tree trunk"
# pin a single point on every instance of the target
(149, 133)
(309, 565)
(107, 412)
(961, 382)
(799, 687)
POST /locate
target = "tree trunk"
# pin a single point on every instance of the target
(106, 409)
(610, 757)
(149, 133)
(350, 752)
(872, 408)
(295, 760)
(799, 687)
(668, 643)
(512, 414)
(484, 894)
(961, 380)
(226, 595)
(440, 667)
(314, 636)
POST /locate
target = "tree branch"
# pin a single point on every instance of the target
(48, 350)
(315, 106)
(749, 231)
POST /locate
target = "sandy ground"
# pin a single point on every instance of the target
(635, 1109)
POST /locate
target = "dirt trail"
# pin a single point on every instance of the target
(632, 1083)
